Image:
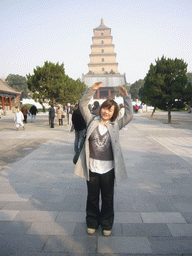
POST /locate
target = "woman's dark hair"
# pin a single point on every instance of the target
(108, 104)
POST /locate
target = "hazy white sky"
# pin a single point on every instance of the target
(35, 31)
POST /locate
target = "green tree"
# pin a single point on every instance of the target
(116, 89)
(51, 83)
(19, 83)
(134, 89)
(189, 77)
(165, 85)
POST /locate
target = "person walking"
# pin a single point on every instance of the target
(25, 113)
(18, 118)
(79, 126)
(69, 114)
(52, 116)
(59, 115)
(33, 111)
(101, 159)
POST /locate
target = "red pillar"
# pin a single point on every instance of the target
(98, 94)
(10, 102)
(3, 103)
(109, 93)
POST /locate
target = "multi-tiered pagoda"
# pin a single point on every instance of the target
(103, 66)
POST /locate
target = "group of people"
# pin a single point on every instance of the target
(20, 116)
(60, 115)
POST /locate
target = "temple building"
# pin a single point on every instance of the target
(103, 66)
(9, 97)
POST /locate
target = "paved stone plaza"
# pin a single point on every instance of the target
(42, 203)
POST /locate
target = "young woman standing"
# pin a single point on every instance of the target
(101, 160)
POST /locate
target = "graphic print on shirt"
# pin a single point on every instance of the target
(100, 146)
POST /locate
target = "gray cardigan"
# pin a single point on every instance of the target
(82, 165)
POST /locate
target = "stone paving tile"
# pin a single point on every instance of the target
(123, 207)
(171, 245)
(127, 217)
(144, 207)
(176, 171)
(51, 228)
(21, 253)
(22, 206)
(2, 205)
(36, 216)
(166, 206)
(13, 243)
(180, 229)
(70, 207)
(162, 217)
(8, 215)
(124, 245)
(183, 207)
(145, 230)
(181, 198)
(72, 244)
(188, 217)
(14, 227)
(71, 217)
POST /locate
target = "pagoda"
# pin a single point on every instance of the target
(103, 66)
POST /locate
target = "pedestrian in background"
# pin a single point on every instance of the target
(59, 115)
(69, 114)
(96, 108)
(52, 116)
(101, 159)
(79, 126)
(18, 118)
(33, 111)
(25, 113)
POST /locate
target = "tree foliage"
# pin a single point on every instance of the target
(134, 89)
(116, 89)
(19, 83)
(166, 85)
(189, 77)
(50, 83)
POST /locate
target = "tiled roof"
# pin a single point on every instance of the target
(6, 88)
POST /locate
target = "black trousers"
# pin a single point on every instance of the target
(100, 184)
(25, 119)
(52, 121)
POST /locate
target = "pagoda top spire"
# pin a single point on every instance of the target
(102, 26)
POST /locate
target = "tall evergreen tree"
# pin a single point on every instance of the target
(19, 83)
(134, 89)
(51, 83)
(166, 85)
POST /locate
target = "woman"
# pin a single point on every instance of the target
(59, 115)
(101, 159)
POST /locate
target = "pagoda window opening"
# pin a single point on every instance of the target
(102, 34)
(102, 42)
(102, 50)
(102, 59)
(104, 95)
(103, 69)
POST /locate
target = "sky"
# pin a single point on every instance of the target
(61, 31)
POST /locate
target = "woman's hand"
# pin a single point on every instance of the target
(122, 90)
(96, 86)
